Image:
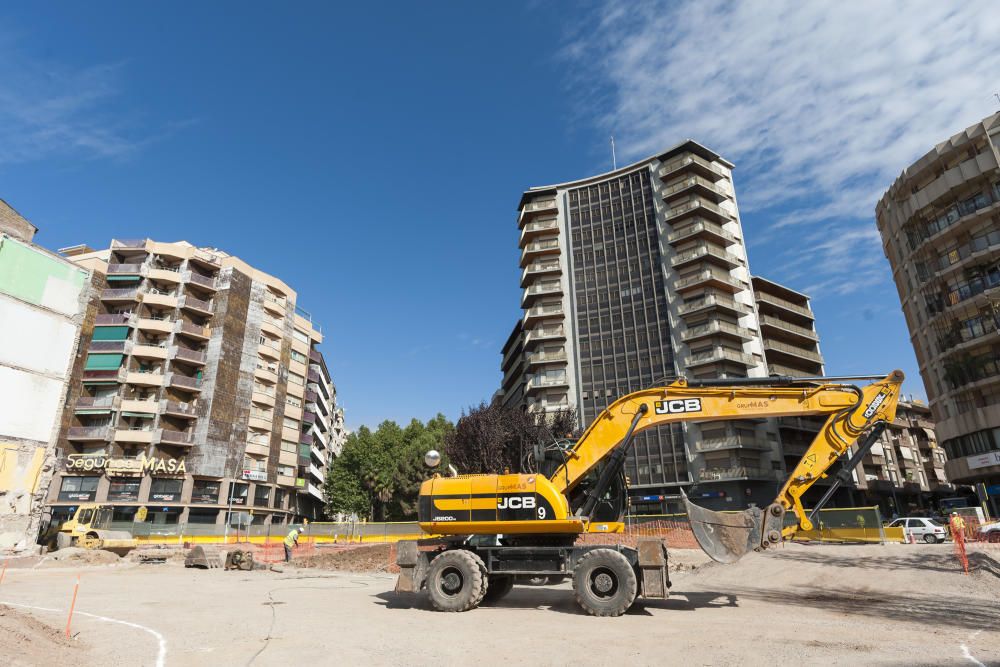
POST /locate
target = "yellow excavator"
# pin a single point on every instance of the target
(495, 529)
(90, 528)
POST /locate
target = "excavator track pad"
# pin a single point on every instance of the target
(728, 536)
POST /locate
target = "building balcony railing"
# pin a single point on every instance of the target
(120, 346)
(701, 208)
(184, 382)
(178, 409)
(723, 303)
(542, 357)
(720, 354)
(534, 208)
(88, 433)
(709, 253)
(536, 228)
(200, 280)
(192, 356)
(695, 185)
(120, 294)
(540, 312)
(112, 375)
(716, 328)
(793, 350)
(113, 319)
(199, 306)
(125, 269)
(698, 228)
(735, 473)
(778, 323)
(538, 269)
(96, 403)
(733, 442)
(543, 382)
(193, 330)
(182, 438)
(539, 248)
(764, 297)
(695, 164)
(714, 277)
(544, 333)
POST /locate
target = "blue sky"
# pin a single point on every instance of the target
(390, 145)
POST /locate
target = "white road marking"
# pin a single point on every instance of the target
(968, 654)
(161, 654)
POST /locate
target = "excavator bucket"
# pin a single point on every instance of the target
(725, 536)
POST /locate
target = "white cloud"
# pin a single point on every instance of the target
(820, 105)
(50, 110)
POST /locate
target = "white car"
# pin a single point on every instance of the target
(921, 528)
(990, 532)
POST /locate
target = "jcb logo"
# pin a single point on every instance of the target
(875, 404)
(678, 405)
(516, 503)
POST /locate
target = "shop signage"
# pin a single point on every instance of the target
(255, 475)
(983, 460)
(121, 466)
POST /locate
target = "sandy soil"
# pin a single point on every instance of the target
(24, 641)
(801, 604)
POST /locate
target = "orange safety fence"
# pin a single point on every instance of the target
(677, 534)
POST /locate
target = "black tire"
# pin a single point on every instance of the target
(456, 580)
(604, 583)
(499, 586)
(63, 541)
(930, 539)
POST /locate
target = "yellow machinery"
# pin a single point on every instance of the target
(90, 529)
(499, 528)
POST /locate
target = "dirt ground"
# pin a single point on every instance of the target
(800, 604)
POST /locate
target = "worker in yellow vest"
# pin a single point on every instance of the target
(957, 526)
(291, 541)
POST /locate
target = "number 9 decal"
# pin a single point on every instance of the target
(541, 512)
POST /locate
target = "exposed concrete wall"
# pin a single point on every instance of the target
(43, 302)
(12, 224)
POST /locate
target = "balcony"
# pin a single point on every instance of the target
(784, 304)
(535, 208)
(145, 378)
(316, 473)
(159, 324)
(541, 312)
(258, 448)
(539, 249)
(158, 298)
(736, 473)
(709, 253)
(274, 303)
(549, 267)
(717, 328)
(273, 327)
(113, 319)
(266, 374)
(696, 228)
(733, 442)
(149, 407)
(184, 382)
(176, 438)
(186, 354)
(539, 382)
(545, 333)
(192, 330)
(96, 404)
(177, 409)
(125, 270)
(778, 326)
(88, 433)
(188, 302)
(119, 294)
(262, 397)
(543, 357)
(168, 274)
(695, 185)
(714, 302)
(271, 350)
(718, 354)
(315, 492)
(140, 436)
(693, 164)
(538, 228)
(204, 282)
(119, 346)
(711, 278)
(103, 376)
(308, 417)
(540, 289)
(150, 351)
(700, 208)
(793, 351)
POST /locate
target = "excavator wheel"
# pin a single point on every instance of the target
(456, 580)
(604, 583)
(499, 586)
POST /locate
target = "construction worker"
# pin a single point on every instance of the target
(957, 525)
(291, 541)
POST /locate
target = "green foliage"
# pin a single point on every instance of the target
(378, 474)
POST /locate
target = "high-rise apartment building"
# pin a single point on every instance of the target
(940, 227)
(629, 279)
(199, 388)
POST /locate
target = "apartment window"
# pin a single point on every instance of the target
(300, 336)
(166, 490)
(261, 496)
(295, 378)
(291, 423)
(299, 357)
(293, 401)
(238, 493)
(286, 471)
(78, 488)
(288, 446)
(124, 490)
(205, 491)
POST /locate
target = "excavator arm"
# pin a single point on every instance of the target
(850, 410)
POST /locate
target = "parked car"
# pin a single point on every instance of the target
(990, 532)
(921, 528)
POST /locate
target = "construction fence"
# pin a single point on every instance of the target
(853, 524)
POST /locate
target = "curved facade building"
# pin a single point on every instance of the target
(940, 226)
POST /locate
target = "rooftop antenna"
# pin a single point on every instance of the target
(614, 160)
